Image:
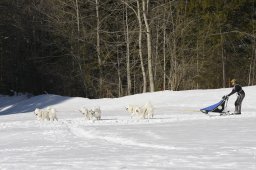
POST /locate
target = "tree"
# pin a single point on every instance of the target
(149, 46)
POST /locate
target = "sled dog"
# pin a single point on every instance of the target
(146, 111)
(91, 114)
(41, 114)
(135, 111)
(46, 114)
(87, 113)
(97, 113)
(52, 114)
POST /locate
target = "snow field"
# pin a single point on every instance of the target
(178, 137)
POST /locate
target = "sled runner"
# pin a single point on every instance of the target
(219, 107)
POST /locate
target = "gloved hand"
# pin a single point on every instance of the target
(224, 97)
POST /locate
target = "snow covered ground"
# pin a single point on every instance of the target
(178, 137)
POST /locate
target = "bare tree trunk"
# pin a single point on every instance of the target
(138, 14)
(77, 56)
(253, 61)
(164, 50)
(149, 48)
(173, 69)
(253, 67)
(134, 80)
(77, 17)
(250, 72)
(98, 46)
(129, 83)
(223, 63)
(164, 55)
(156, 50)
(140, 49)
(173, 65)
(197, 64)
(119, 76)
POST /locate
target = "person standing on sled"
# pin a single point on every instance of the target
(240, 95)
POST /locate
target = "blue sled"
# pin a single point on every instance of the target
(218, 107)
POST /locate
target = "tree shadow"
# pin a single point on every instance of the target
(22, 104)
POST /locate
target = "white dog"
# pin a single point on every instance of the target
(148, 110)
(134, 111)
(52, 114)
(91, 114)
(41, 114)
(97, 113)
(46, 114)
(87, 113)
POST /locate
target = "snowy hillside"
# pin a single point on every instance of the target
(178, 137)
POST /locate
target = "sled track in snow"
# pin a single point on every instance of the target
(84, 133)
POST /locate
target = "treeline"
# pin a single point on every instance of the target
(111, 48)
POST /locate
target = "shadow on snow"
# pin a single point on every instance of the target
(22, 104)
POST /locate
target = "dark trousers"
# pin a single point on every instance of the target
(238, 103)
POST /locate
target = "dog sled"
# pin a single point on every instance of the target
(220, 107)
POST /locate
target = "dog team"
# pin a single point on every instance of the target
(142, 112)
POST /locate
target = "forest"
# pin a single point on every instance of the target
(114, 48)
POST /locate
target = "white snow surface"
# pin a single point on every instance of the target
(178, 137)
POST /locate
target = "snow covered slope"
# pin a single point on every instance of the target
(178, 137)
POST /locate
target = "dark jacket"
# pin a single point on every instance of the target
(236, 89)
